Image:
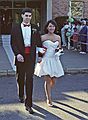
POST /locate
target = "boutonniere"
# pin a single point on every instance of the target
(34, 30)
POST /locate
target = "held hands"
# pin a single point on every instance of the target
(20, 58)
(41, 51)
(39, 59)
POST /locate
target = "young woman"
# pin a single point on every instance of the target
(50, 67)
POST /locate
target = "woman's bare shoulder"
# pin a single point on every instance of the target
(57, 36)
(43, 37)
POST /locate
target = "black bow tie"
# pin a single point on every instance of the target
(26, 25)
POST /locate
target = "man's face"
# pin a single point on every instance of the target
(26, 17)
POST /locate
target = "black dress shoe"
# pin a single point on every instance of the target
(29, 109)
(21, 100)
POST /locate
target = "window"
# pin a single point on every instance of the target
(4, 4)
(77, 9)
(18, 4)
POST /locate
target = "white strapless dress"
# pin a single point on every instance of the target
(50, 64)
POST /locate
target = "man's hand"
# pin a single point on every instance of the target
(20, 58)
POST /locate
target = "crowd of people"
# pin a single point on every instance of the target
(77, 31)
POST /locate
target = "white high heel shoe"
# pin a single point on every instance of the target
(49, 103)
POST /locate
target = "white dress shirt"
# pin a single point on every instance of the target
(26, 31)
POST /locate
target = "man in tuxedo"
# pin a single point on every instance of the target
(24, 39)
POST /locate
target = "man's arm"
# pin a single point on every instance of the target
(14, 40)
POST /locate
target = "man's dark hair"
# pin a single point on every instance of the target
(53, 22)
(26, 10)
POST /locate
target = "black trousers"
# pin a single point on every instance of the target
(25, 73)
(83, 48)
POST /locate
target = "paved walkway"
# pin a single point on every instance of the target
(74, 62)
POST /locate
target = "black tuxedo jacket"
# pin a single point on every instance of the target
(17, 42)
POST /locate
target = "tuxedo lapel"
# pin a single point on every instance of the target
(31, 36)
(21, 34)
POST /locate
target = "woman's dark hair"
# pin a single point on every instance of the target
(53, 22)
(26, 10)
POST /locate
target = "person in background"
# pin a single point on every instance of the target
(87, 38)
(24, 39)
(63, 34)
(83, 37)
(75, 37)
(50, 66)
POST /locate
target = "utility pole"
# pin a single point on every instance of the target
(69, 2)
(0, 29)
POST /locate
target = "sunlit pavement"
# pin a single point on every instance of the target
(74, 108)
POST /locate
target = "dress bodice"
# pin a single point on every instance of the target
(51, 46)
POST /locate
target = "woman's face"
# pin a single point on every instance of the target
(51, 28)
